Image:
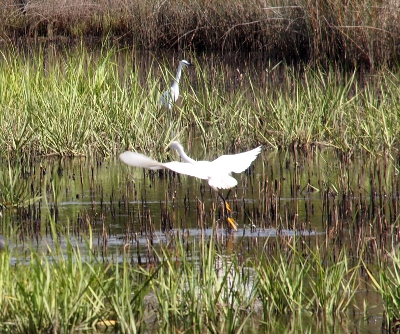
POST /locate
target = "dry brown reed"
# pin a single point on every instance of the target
(354, 32)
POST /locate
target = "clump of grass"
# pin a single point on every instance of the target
(17, 189)
(294, 280)
(385, 278)
(211, 292)
(55, 292)
(65, 291)
(333, 283)
(281, 285)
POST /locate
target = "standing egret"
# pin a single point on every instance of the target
(217, 172)
(170, 96)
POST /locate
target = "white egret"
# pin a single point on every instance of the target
(170, 96)
(217, 172)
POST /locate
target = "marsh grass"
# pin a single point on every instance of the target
(57, 292)
(296, 279)
(103, 102)
(64, 291)
(333, 282)
(206, 292)
(385, 279)
(18, 189)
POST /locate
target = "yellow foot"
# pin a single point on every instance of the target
(232, 222)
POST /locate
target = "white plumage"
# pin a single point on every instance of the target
(170, 96)
(217, 172)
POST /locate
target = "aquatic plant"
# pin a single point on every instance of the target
(385, 278)
(18, 189)
(332, 282)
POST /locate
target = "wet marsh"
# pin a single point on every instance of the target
(93, 243)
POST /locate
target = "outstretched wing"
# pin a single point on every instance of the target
(197, 170)
(236, 163)
(139, 160)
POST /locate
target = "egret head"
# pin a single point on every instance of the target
(185, 63)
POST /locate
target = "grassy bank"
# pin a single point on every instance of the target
(351, 32)
(78, 102)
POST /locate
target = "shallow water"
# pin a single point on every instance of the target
(114, 196)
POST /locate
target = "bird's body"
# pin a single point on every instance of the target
(170, 96)
(217, 172)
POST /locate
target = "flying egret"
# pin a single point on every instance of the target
(217, 172)
(170, 96)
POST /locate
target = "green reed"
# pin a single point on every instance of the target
(18, 189)
(81, 103)
(385, 279)
(64, 290)
(210, 292)
(333, 283)
(295, 280)
(55, 292)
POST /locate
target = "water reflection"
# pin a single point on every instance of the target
(281, 194)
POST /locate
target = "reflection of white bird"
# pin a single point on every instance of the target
(170, 96)
(217, 172)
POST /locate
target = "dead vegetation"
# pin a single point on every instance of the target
(353, 32)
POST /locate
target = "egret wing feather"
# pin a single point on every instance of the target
(203, 170)
(139, 160)
(188, 169)
(236, 163)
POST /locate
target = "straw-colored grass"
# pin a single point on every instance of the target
(352, 32)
